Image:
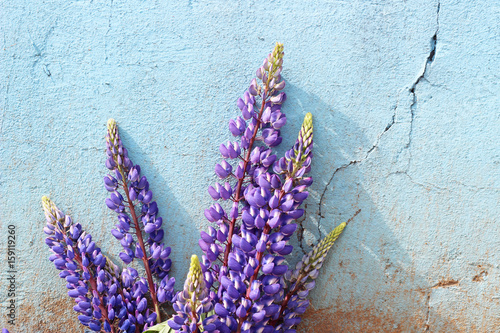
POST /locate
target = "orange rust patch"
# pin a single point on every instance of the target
(482, 273)
(50, 313)
(324, 320)
(446, 283)
(358, 320)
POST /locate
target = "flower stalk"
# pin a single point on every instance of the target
(134, 189)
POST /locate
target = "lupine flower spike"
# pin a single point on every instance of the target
(301, 281)
(103, 298)
(128, 190)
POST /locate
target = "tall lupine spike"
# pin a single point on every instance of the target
(261, 113)
(297, 161)
(301, 281)
(314, 259)
(136, 189)
(153, 253)
(193, 303)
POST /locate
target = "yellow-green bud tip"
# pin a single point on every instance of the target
(277, 52)
(308, 120)
(195, 261)
(194, 268)
(49, 209)
(335, 233)
(46, 202)
(111, 124)
(306, 132)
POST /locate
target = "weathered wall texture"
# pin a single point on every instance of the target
(405, 98)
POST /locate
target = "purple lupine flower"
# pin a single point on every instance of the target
(153, 253)
(136, 189)
(255, 159)
(92, 279)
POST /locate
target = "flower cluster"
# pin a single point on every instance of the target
(106, 300)
(243, 283)
(131, 198)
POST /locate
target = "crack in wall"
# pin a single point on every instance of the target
(432, 186)
(441, 284)
(320, 213)
(427, 186)
(423, 76)
(40, 54)
(6, 98)
(413, 106)
(391, 122)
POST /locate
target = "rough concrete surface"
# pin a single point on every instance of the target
(405, 101)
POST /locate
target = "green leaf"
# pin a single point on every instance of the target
(164, 328)
(167, 329)
(160, 328)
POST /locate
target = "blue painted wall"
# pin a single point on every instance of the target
(405, 98)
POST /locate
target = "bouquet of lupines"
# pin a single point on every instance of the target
(246, 284)
(243, 283)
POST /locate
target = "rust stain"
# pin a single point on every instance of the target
(401, 310)
(358, 320)
(55, 312)
(446, 283)
(364, 319)
(482, 273)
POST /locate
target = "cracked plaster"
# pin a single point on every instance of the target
(404, 97)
